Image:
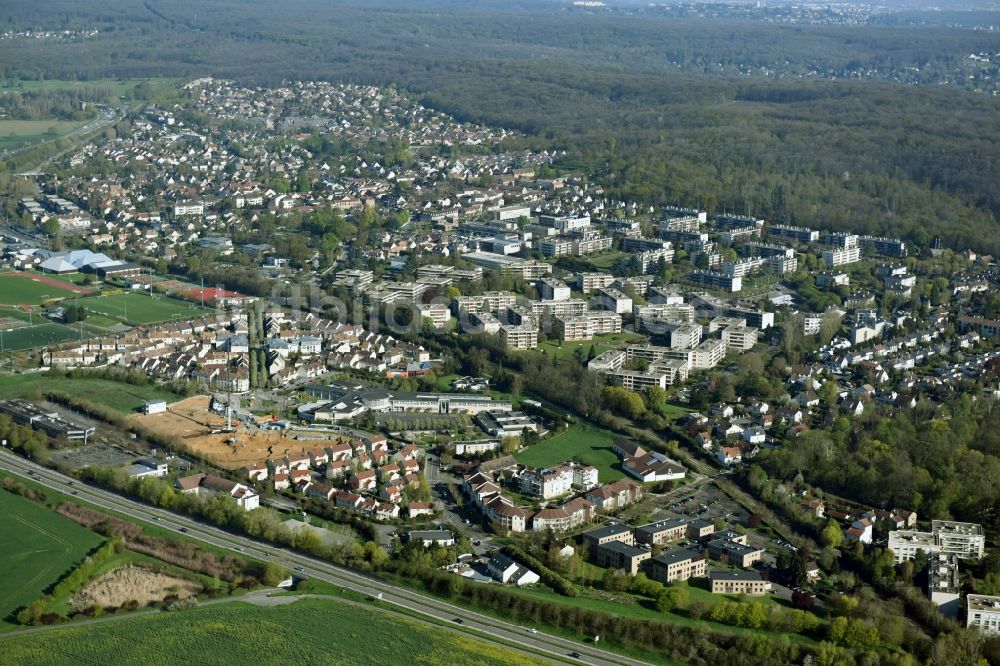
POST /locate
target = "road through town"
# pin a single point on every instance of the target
(482, 627)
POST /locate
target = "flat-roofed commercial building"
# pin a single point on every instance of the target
(45, 420)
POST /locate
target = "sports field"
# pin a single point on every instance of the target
(140, 310)
(19, 289)
(39, 547)
(582, 442)
(40, 335)
(316, 631)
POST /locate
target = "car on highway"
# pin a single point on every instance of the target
(239, 548)
(458, 620)
(299, 569)
(532, 630)
(576, 655)
(184, 529)
(75, 492)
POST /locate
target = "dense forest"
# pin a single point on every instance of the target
(660, 109)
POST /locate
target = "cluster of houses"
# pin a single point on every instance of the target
(354, 473)
(202, 188)
(485, 491)
(215, 350)
(618, 546)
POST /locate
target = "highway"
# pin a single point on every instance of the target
(477, 625)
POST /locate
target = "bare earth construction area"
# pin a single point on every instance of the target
(120, 586)
(202, 431)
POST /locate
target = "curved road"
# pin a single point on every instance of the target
(477, 625)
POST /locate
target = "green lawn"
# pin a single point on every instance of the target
(20, 290)
(591, 445)
(676, 412)
(606, 261)
(138, 309)
(39, 547)
(125, 397)
(601, 343)
(627, 605)
(317, 632)
(40, 335)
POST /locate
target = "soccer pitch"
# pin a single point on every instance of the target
(23, 290)
(141, 309)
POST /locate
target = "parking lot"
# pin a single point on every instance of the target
(94, 455)
(707, 502)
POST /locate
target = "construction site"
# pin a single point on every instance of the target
(213, 431)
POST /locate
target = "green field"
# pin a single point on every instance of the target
(316, 631)
(119, 86)
(40, 335)
(601, 343)
(39, 547)
(580, 442)
(19, 290)
(605, 261)
(121, 396)
(139, 310)
(17, 133)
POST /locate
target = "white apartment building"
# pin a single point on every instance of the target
(613, 300)
(588, 282)
(965, 540)
(983, 613)
(638, 381)
(438, 314)
(962, 539)
(523, 336)
(551, 289)
(842, 256)
(586, 326)
(739, 338)
(708, 354)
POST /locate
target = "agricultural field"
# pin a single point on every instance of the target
(121, 396)
(141, 310)
(118, 86)
(21, 289)
(39, 547)
(16, 133)
(321, 631)
(582, 442)
(39, 335)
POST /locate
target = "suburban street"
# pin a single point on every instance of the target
(472, 623)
